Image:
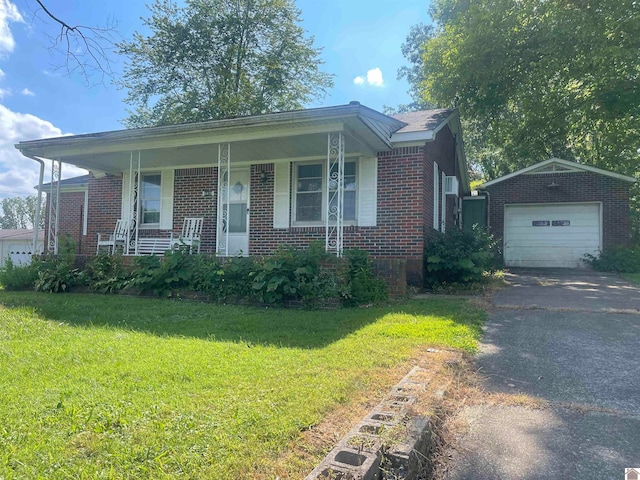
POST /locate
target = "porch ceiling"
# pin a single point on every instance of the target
(197, 144)
(254, 151)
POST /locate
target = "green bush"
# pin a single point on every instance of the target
(459, 257)
(18, 277)
(106, 274)
(161, 276)
(616, 259)
(57, 273)
(363, 286)
(293, 274)
(223, 278)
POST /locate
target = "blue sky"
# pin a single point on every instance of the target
(361, 41)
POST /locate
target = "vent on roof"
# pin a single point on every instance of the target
(451, 186)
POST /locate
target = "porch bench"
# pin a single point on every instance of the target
(155, 246)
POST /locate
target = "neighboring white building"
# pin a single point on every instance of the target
(18, 245)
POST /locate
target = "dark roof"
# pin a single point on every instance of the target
(80, 181)
(423, 120)
(19, 234)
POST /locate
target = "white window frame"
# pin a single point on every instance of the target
(155, 225)
(325, 193)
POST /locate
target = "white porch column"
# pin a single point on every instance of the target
(224, 170)
(335, 194)
(134, 189)
(54, 208)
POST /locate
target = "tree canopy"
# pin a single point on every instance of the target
(19, 212)
(535, 79)
(215, 59)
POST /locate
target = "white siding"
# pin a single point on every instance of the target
(367, 192)
(281, 196)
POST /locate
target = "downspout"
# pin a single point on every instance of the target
(36, 220)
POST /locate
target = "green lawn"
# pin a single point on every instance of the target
(632, 277)
(96, 386)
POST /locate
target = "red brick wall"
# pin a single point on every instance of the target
(443, 152)
(188, 201)
(71, 217)
(399, 229)
(105, 199)
(573, 187)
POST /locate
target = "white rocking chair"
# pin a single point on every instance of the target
(117, 238)
(191, 232)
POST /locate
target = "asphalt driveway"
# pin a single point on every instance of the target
(572, 340)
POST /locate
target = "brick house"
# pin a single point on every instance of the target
(399, 179)
(552, 213)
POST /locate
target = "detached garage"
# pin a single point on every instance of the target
(551, 214)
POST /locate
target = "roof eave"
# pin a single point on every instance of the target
(568, 163)
(355, 110)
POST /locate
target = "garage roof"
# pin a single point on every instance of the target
(565, 165)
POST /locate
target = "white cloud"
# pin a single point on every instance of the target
(27, 92)
(1, 74)
(8, 13)
(373, 79)
(18, 174)
(4, 92)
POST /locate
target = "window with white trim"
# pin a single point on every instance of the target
(310, 196)
(150, 199)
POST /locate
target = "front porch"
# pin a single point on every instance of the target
(253, 185)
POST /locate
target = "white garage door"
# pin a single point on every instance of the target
(550, 235)
(20, 254)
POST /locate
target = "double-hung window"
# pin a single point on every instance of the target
(150, 199)
(312, 191)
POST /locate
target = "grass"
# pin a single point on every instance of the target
(118, 387)
(632, 277)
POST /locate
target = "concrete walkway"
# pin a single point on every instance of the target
(571, 339)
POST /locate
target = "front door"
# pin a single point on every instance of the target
(233, 229)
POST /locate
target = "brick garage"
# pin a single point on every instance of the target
(558, 188)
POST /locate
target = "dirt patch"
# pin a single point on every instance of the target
(311, 446)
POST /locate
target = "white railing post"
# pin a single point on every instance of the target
(224, 172)
(54, 207)
(334, 224)
(134, 191)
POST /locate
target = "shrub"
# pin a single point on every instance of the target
(363, 286)
(106, 274)
(459, 257)
(222, 278)
(310, 275)
(616, 259)
(57, 273)
(18, 277)
(161, 276)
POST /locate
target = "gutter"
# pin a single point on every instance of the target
(36, 220)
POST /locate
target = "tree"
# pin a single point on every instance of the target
(85, 48)
(538, 78)
(19, 212)
(217, 59)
